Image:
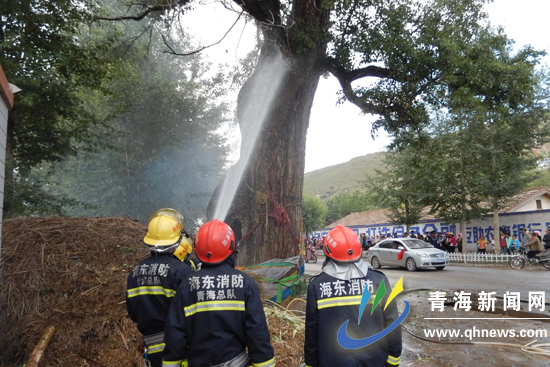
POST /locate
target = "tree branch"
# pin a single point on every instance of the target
(265, 11)
(345, 78)
(147, 11)
(173, 52)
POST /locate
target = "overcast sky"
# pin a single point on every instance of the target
(525, 21)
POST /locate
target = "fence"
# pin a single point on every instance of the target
(470, 257)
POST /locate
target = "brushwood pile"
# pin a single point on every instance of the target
(71, 273)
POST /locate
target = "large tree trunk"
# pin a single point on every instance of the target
(275, 171)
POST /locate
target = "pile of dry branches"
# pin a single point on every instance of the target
(71, 273)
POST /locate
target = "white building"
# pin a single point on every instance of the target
(6, 103)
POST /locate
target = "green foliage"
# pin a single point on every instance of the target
(541, 178)
(313, 214)
(476, 151)
(161, 150)
(44, 52)
(168, 153)
(398, 189)
(343, 204)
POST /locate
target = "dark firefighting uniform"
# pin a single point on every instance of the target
(216, 314)
(151, 286)
(330, 302)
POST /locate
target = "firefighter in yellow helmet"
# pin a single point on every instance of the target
(152, 284)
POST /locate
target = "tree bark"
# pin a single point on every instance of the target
(494, 201)
(274, 174)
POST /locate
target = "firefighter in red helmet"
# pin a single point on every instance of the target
(217, 313)
(334, 296)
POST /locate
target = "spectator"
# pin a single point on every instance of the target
(459, 242)
(502, 242)
(482, 245)
(508, 243)
(491, 244)
(515, 244)
(420, 237)
(535, 246)
(450, 243)
(412, 234)
(546, 239)
(440, 241)
(432, 239)
(319, 242)
(406, 235)
(524, 237)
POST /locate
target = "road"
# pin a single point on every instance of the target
(467, 278)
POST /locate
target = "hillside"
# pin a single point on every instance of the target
(329, 181)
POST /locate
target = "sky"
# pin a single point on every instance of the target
(524, 21)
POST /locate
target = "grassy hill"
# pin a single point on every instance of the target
(329, 181)
(343, 177)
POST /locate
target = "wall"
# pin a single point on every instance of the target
(532, 220)
(6, 103)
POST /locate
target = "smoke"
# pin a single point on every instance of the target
(266, 83)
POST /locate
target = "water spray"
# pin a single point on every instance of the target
(262, 93)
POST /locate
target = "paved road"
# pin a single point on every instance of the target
(467, 278)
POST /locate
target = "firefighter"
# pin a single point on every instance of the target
(217, 312)
(334, 296)
(154, 281)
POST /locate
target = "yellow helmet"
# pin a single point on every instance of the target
(184, 249)
(164, 230)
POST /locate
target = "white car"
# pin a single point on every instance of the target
(418, 254)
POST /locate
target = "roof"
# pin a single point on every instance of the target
(520, 199)
(380, 216)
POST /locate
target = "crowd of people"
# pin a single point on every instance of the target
(507, 243)
(532, 242)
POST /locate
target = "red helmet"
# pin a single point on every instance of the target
(341, 244)
(214, 242)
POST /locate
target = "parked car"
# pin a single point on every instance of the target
(417, 255)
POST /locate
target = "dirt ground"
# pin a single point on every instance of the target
(417, 352)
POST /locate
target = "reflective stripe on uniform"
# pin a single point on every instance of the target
(172, 363)
(214, 306)
(155, 348)
(155, 290)
(339, 301)
(269, 363)
(393, 360)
